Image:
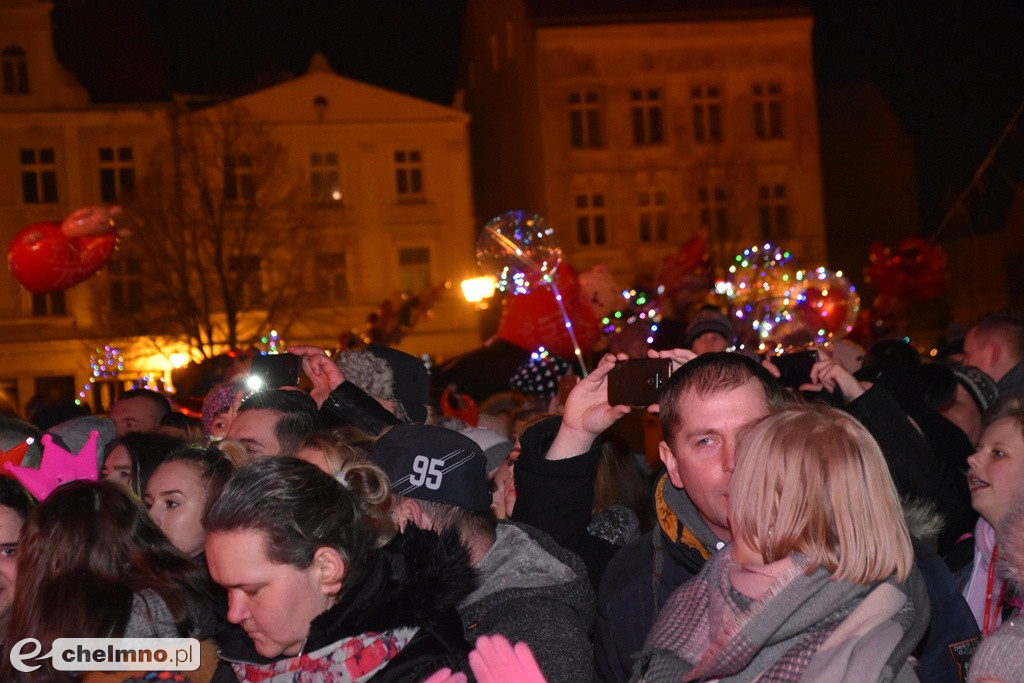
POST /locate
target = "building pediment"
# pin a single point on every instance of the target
(322, 96)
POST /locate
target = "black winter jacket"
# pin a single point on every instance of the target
(417, 580)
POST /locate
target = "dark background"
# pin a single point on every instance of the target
(952, 71)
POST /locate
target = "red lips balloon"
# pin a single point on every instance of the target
(50, 256)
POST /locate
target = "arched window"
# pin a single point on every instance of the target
(15, 70)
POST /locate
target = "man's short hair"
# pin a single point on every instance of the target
(162, 404)
(1007, 327)
(15, 497)
(710, 374)
(469, 523)
(298, 415)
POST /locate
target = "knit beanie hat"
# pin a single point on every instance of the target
(980, 386)
(219, 399)
(998, 658)
(709, 320)
(539, 376)
(999, 655)
(410, 384)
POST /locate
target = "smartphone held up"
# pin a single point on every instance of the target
(638, 381)
(275, 370)
(795, 367)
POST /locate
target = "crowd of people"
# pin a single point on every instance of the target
(864, 523)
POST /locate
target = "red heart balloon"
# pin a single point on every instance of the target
(534, 319)
(43, 259)
(824, 310)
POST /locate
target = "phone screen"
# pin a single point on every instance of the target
(277, 369)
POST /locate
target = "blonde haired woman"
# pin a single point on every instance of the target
(819, 581)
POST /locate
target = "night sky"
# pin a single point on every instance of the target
(952, 71)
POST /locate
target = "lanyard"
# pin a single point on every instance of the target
(992, 617)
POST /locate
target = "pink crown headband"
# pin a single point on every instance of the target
(58, 466)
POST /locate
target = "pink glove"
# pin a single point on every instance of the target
(445, 675)
(495, 661)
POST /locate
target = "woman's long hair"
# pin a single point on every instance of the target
(84, 553)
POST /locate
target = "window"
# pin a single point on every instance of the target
(55, 389)
(246, 270)
(652, 215)
(773, 206)
(707, 113)
(584, 119)
(647, 128)
(124, 271)
(15, 70)
(714, 211)
(38, 176)
(324, 176)
(238, 183)
(591, 221)
(330, 278)
(414, 269)
(409, 176)
(53, 304)
(767, 111)
(104, 392)
(117, 173)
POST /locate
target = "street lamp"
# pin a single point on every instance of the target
(478, 291)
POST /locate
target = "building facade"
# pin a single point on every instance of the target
(386, 176)
(631, 129)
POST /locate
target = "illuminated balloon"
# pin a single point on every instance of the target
(758, 273)
(828, 305)
(536, 319)
(520, 250)
(774, 320)
(44, 259)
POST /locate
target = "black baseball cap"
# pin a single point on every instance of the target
(434, 464)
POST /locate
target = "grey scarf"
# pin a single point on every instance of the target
(709, 630)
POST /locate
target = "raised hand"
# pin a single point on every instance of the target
(321, 370)
(587, 412)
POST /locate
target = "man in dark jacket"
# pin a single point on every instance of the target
(531, 589)
(705, 405)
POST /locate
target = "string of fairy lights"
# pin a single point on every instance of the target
(108, 362)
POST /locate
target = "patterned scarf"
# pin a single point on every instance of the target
(801, 628)
(348, 661)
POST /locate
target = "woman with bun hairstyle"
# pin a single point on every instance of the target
(314, 594)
